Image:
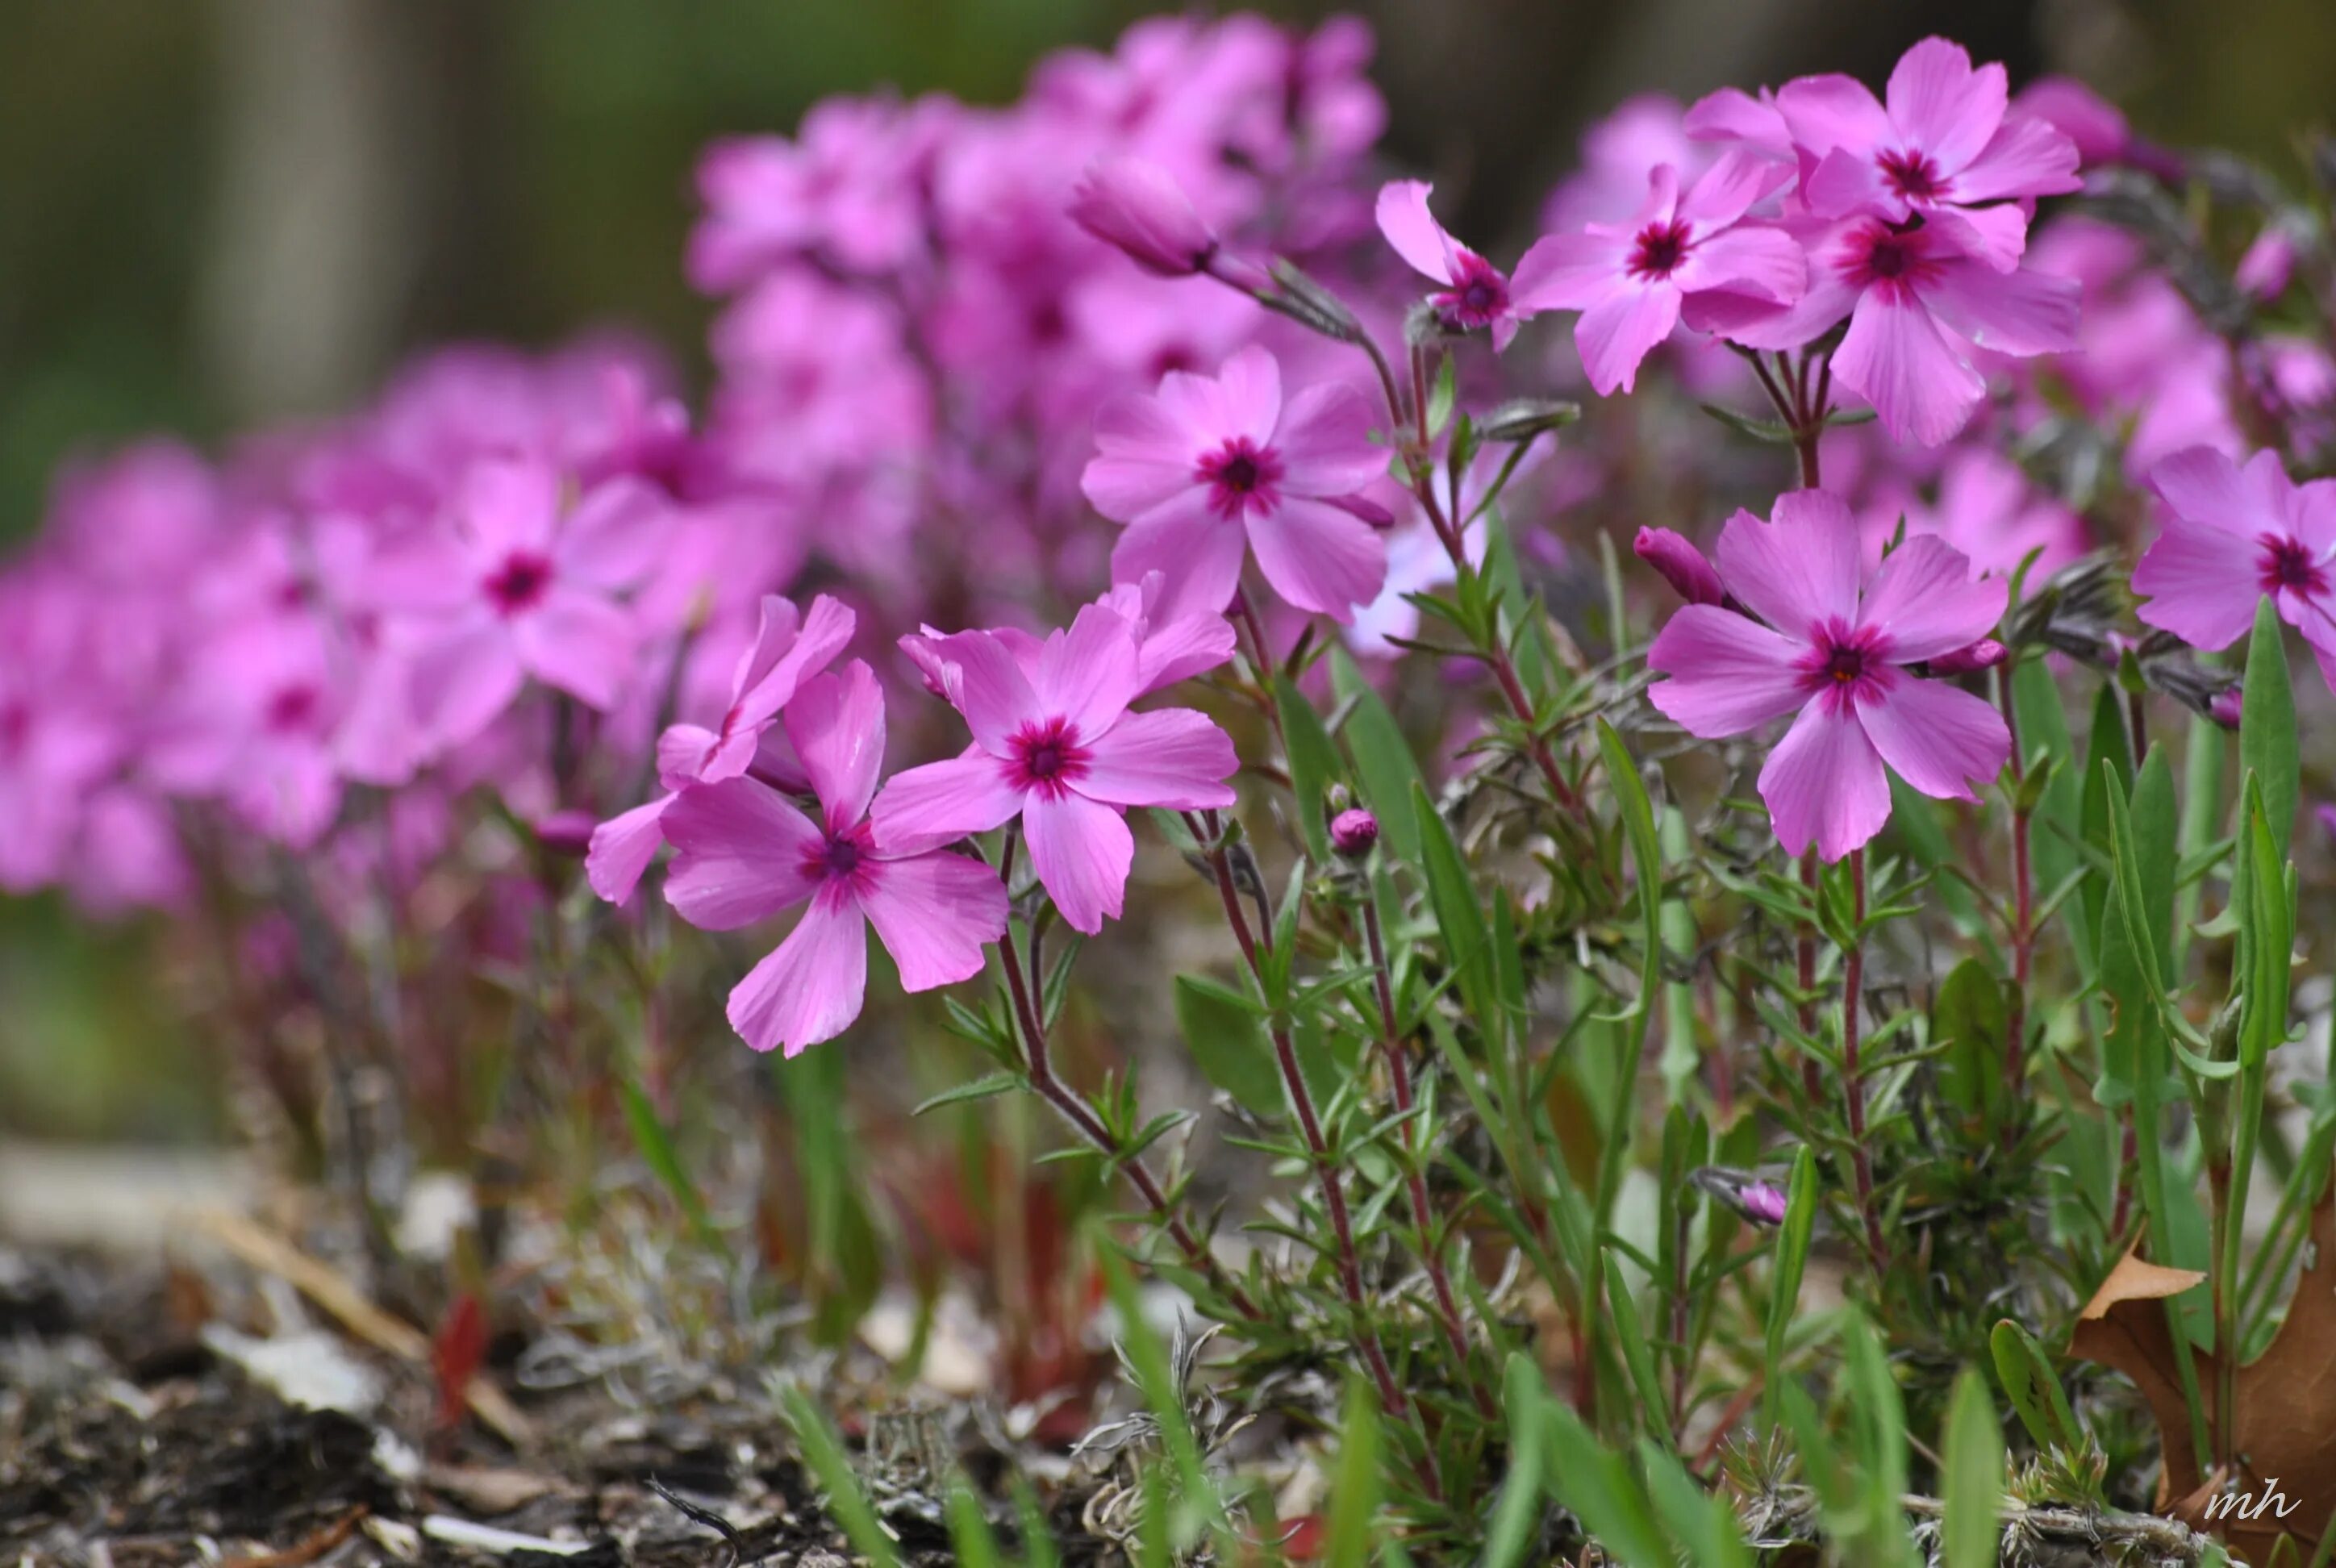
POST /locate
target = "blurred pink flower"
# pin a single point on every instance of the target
(1207, 469)
(2232, 536)
(1835, 654)
(1057, 747)
(743, 854)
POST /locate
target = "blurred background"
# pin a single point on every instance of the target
(221, 213)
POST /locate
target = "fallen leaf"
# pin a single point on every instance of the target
(2283, 1401)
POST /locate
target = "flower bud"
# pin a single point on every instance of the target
(1984, 654)
(1138, 207)
(1354, 832)
(1681, 564)
(2224, 706)
(1761, 1201)
(565, 832)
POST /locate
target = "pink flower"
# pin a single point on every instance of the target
(1630, 279)
(744, 854)
(1474, 296)
(1991, 510)
(1682, 565)
(1205, 469)
(1138, 207)
(2233, 535)
(523, 587)
(1836, 656)
(1921, 302)
(1057, 747)
(788, 647)
(1942, 146)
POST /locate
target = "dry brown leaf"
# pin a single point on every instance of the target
(2283, 1401)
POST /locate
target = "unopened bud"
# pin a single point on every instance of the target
(1354, 832)
(565, 832)
(1681, 564)
(1761, 1201)
(1984, 654)
(2224, 706)
(1138, 207)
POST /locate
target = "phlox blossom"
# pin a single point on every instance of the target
(1475, 296)
(1834, 648)
(2232, 536)
(1055, 745)
(744, 853)
(1209, 468)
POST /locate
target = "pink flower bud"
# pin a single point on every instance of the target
(2224, 709)
(1681, 564)
(1138, 207)
(1984, 654)
(565, 832)
(2264, 270)
(1764, 1201)
(1353, 832)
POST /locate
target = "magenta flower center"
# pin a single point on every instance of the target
(519, 582)
(2286, 564)
(1658, 250)
(838, 855)
(1846, 664)
(1912, 175)
(1241, 477)
(292, 709)
(1478, 293)
(1047, 757)
(15, 728)
(1891, 257)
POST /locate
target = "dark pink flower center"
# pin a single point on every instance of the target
(1478, 295)
(15, 728)
(838, 855)
(519, 582)
(1658, 250)
(1846, 664)
(1892, 258)
(1047, 757)
(2286, 564)
(1241, 477)
(1913, 175)
(292, 709)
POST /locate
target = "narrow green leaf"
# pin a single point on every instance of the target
(1314, 766)
(1972, 1528)
(1518, 1509)
(2267, 741)
(1467, 942)
(1355, 1493)
(846, 1502)
(1793, 1238)
(1227, 1037)
(979, 1089)
(1598, 1485)
(655, 1144)
(2034, 1386)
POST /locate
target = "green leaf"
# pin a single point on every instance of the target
(1385, 769)
(1355, 1493)
(1467, 942)
(1972, 1530)
(1598, 1485)
(1518, 1510)
(2267, 743)
(1970, 1017)
(979, 1089)
(846, 1502)
(1704, 1527)
(1638, 1353)
(970, 1532)
(1226, 1035)
(1314, 766)
(2033, 1385)
(655, 1144)
(1793, 1238)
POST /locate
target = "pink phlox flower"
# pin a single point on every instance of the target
(1837, 655)
(1989, 509)
(2232, 535)
(1921, 303)
(1939, 144)
(518, 585)
(1631, 281)
(1057, 747)
(744, 853)
(846, 188)
(1208, 468)
(789, 648)
(1610, 185)
(1476, 296)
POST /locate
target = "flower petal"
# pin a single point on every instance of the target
(464, 679)
(2028, 156)
(1621, 329)
(1090, 671)
(741, 854)
(2199, 583)
(1197, 552)
(934, 913)
(1318, 557)
(1418, 237)
(1175, 757)
(1568, 272)
(1751, 259)
(810, 988)
(1728, 672)
(1895, 356)
(2202, 486)
(1824, 784)
(1824, 112)
(1939, 737)
(987, 684)
(622, 848)
(2022, 311)
(1325, 444)
(1799, 571)
(836, 723)
(1924, 597)
(579, 641)
(1944, 107)
(616, 533)
(943, 801)
(1081, 850)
